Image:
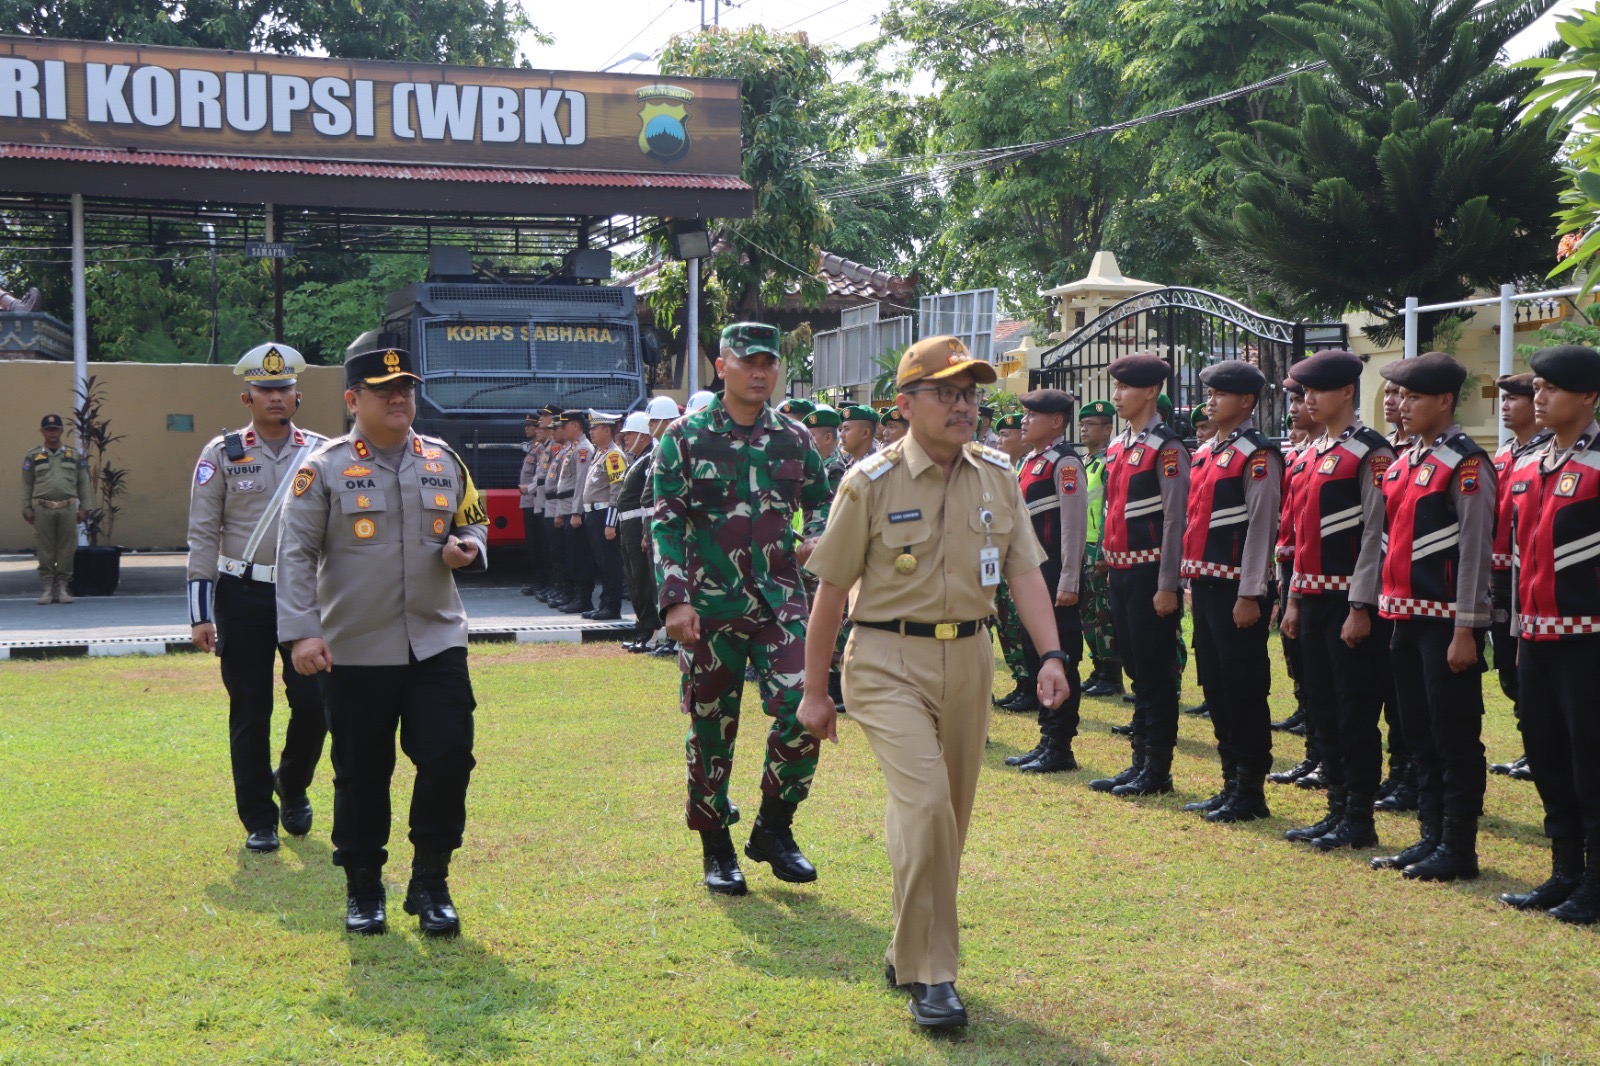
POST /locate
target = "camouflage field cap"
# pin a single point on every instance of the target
(1097, 409)
(744, 339)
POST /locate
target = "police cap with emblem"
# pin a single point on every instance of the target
(270, 366)
(1010, 421)
(379, 366)
(985, 411)
(1049, 402)
(937, 358)
(531, 420)
(1429, 374)
(1140, 370)
(824, 417)
(580, 417)
(550, 409)
(50, 422)
(1571, 367)
(1515, 384)
(1234, 376)
(1097, 409)
(603, 418)
(860, 412)
(1331, 369)
(745, 339)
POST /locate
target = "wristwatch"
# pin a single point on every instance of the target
(1361, 607)
(1066, 660)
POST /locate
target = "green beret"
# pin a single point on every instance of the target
(1198, 414)
(798, 407)
(1010, 421)
(1097, 408)
(860, 412)
(824, 417)
(1164, 405)
(892, 414)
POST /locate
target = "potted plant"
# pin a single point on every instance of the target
(97, 567)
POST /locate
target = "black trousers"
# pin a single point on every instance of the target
(431, 702)
(555, 550)
(1057, 726)
(607, 558)
(1394, 727)
(533, 531)
(246, 615)
(1344, 690)
(1505, 645)
(639, 574)
(1556, 691)
(580, 560)
(1442, 714)
(1235, 663)
(1146, 642)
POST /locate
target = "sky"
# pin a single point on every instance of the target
(645, 25)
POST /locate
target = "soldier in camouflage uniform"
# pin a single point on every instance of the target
(824, 422)
(1009, 429)
(727, 482)
(1096, 422)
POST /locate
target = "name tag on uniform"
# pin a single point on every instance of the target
(989, 566)
(905, 516)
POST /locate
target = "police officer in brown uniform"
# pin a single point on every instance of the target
(923, 533)
(573, 427)
(56, 496)
(597, 500)
(239, 485)
(376, 524)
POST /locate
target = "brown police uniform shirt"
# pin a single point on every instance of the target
(897, 502)
(229, 498)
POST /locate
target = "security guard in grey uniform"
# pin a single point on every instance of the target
(923, 533)
(375, 525)
(56, 495)
(239, 485)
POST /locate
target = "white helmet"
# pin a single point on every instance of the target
(270, 365)
(700, 401)
(661, 407)
(639, 421)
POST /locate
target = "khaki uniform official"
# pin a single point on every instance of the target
(55, 492)
(911, 544)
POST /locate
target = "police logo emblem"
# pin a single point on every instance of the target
(438, 525)
(363, 502)
(1069, 479)
(1568, 485)
(204, 472)
(663, 122)
(433, 468)
(247, 485)
(1258, 467)
(273, 362)
(357, 470)
(303, 480)
(1225, 459)
(441, 500)
(391, 360)
(1136, 457)
(1424, 475)
(1329, 465)
(365, 529)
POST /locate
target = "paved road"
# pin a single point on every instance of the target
(149, 610)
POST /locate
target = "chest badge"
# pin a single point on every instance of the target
(365, 529)
(247, 485)
(1568, 485)
(363, 502)
(1136, 457)
(357, 470)
(1329, 465)
(1224, 459)
(1424, 475)
(441, 500)
(905, 563)
(438, 525)
(433, 468)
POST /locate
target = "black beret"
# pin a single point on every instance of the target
(1431, 374)
(1290, 385)
(1516, 384)
(1568, 366)
(1140, 370)
(1049, 402)
(1331, 369)
(1234, 375)
(985, 410)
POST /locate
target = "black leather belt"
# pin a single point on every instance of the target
(562, 495)
(937, 630)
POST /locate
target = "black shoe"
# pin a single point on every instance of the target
(1566, 871)
(1293, 773)
(1456, 857)
(772, 841)
(1313, 781)
(1021, 703)
(1025, 756)
(428, 895)
(1521, 771)
(1336, 802)
(1108, 784)
(1583, 906)
(1247, 804)
(937, 1006)
(293, 811)
(604, 614)
(1123, 730)
(262, 841)
(364, 899)
(669, 649)
(1296, 719)
(1153, 780)
(530, 590)
(888, 976)
(1052, 760)
(1355, 829)
(1206, 806)
(1097, 687)
(1001, 701)
(1202, 711)
(1432, 829)
(1298, 729)
(1402, 798)
(723, 876)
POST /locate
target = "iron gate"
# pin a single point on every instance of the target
(1191, 329)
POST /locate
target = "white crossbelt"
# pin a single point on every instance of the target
(257, 571)
(637, 512)
(248, 571)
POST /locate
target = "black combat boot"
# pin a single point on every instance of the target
(363, 905)
(1201, 711)
(428, 895)
(1432, 825)
(1053, 758)
(1123, 730)
(723, 876)
(1025, 756)
(1022, 701)
(1456, 857)
(1314, 781)
(1336, 801)
(1583, 906)
(772, 841)
(1403, 797)
(1248, 802)
(293, 811)
(1016, 690)
(1521, 771)
(1297, 719)
(1107, 784)
(1566, 870)
(1505, 768)
(1355, 829)
(1230, 776)
(1107, 681)
(1154, 780)
(1293, 773)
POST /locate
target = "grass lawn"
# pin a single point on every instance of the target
(1094, 929)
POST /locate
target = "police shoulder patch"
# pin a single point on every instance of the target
(1258, 466)
(204, 471)
(1169, 462)
(1069, 478)
(303, 479)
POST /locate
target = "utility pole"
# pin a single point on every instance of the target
(716, 12)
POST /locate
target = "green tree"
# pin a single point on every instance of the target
(1407, 174)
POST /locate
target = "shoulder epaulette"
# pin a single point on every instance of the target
(1372, 438)
(876, 465)
(993, 455)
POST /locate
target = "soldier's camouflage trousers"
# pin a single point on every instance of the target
(1011, 636)
(1097, 630)
(713, 682)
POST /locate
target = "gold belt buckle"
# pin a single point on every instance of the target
(945, 630)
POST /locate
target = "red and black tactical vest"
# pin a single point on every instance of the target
(1213, 538)
(1422, 538)
(1295, 459)
(1556, 539)
(1328, 523)
(1504, 460)
(1044, 478)
(1134, 515)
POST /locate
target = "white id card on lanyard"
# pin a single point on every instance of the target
(988, 555)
